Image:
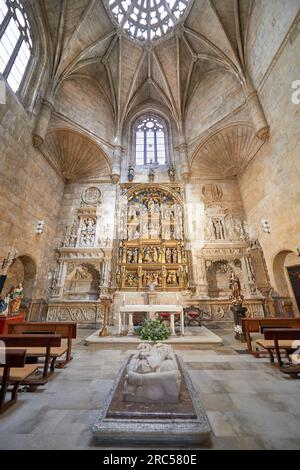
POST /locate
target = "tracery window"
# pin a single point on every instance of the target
(147, 19)
(150, 141)
(15, 42)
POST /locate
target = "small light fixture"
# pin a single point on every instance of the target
(265, 226)
(298, 251)
(40, 227)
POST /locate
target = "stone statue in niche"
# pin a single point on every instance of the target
(235, 228)
(123, 219)
(168, 255)
(171, 172)
(88, 232)
(209, 229)
(235, 286)
(178, 222)
(71, 235)
(132, 214)
(219, 232)
(172, 278)
(153, 208)
(133, 232)
(174, 256)
(129, 256)
(166, 231)
(144, 228)
(130, 173)
(152, 375)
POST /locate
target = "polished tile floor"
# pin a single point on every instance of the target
(249, 403)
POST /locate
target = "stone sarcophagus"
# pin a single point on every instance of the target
(152, 375)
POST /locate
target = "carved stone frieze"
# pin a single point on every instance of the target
(80, 313)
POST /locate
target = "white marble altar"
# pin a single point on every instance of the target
(151, 311)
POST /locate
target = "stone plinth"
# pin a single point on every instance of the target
(178, 424)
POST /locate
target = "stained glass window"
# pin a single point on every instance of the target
(15, 42)
(147, 19)
(150, 141)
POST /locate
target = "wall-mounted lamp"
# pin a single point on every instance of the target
(298, 251)
(40, 227)
(265, 226)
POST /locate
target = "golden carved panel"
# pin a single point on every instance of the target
(151, 245)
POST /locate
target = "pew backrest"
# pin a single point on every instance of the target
(31, 340)
(12, 357)
(65, 329)
(282, 333)
(253, 325)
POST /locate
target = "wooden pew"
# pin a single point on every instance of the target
(67, 330)
(287, 339)
(255, 325)
(36, 346)
(13, 371)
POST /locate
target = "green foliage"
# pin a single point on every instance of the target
(154, 330)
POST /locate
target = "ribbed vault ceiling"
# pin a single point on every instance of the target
(83, 38)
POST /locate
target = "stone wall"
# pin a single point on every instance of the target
(30, 191)
(270, 184)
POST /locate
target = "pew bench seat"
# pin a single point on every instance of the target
(41, 352)
(283, 344)
(17, 374)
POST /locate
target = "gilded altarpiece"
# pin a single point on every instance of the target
(151, 248)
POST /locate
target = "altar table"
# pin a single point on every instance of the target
(151, 311)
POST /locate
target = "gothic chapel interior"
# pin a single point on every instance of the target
(149, 170)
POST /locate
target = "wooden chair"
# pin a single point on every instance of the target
(13, 371)
(192, 314)
(36, 346)
(67, 330)
(256, 325)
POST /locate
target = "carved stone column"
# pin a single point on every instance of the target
(43, 119)
(105, 276)
(116, 166)
(61, 279)
(251, 289)
(184, 166)
(256, 111)
(201, 277)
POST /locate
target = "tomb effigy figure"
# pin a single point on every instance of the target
(152, 375)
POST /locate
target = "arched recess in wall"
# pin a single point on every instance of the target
(226, 152)
(23, 270)
(286, 270)
(77, 157)
(83, 282)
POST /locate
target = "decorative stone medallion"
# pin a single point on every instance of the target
(91, 196)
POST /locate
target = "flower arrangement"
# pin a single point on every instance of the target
(154, 330)
(238, 329)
